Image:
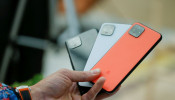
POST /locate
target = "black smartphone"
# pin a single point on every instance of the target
(79, 48)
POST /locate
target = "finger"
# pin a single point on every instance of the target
(81, 76)
(91, 94)
(105, 95)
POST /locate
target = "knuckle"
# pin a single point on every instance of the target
(85, 76)
(64, 71)
(65, 74)
(86, 97)
(91, 94)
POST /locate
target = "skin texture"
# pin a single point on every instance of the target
(61, 85)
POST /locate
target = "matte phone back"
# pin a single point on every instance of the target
(79, 48)
(102, 44)
(125, 55)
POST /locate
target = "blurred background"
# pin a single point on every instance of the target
(33, 32)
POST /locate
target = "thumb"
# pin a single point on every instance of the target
(81, 76)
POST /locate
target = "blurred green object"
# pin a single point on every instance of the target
(30, 82)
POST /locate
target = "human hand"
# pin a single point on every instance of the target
(62, 86)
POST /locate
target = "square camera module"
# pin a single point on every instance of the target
(74, 42)
(107, 29)
(136, 30)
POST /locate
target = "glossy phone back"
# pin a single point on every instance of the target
(126, 54)
(108, 35)
(79, 48)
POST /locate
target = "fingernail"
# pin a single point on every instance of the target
(103, 78)
(95, 71)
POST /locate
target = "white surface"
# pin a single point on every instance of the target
(102, 45)
(55, 60)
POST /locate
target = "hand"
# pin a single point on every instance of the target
(62, 86)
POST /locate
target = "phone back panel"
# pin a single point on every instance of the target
(102, 44)
(79, 48)
(125, 55)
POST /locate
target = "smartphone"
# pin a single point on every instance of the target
(109, 34)
(126, 54)
(79, 48)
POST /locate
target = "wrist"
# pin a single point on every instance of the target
(36, 93)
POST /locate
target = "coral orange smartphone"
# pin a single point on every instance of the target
(126, 54)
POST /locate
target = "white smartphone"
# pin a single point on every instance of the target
(108, 35)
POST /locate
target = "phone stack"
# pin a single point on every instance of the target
(117, 49)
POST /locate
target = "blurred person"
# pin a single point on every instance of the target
(60, 85)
